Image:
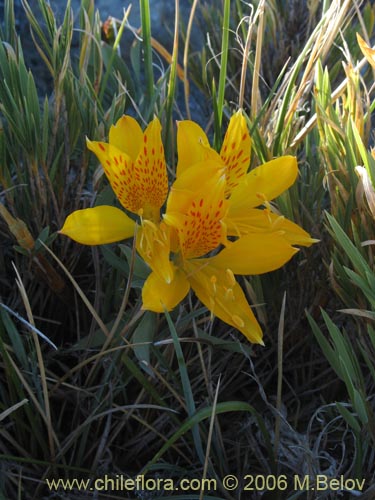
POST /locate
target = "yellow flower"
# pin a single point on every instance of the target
(134, 164)
(214, 197)
(196, 210)
(244, 190)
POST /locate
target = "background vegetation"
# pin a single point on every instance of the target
(183, 396)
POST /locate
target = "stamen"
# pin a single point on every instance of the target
(238, 321)
(229, 295)
(212, 306)
(277, 222)
(262, 197)
(230, 277)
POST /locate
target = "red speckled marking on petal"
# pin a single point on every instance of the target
(141, 185)
(202, 230)
(150, 168)
(236, 151)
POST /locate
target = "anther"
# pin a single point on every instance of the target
(238, 321)
(229, 295)
(230, 277)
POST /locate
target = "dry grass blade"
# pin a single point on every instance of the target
(30, 326)
(255, 94)
(117, 322)
(366, 187)
(367, 51)
(321, 42)
(13, 408)
(340, 89)
(42, 370)
(280, 348)
(34, 400)
(209, 436)
(80, 292)
(186, 57)
(245, 56)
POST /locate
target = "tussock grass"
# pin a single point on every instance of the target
(181, 395)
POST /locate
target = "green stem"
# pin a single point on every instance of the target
(223, 73)
(224, 60)
(147, 48)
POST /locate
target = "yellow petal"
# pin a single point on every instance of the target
(98, 225)
(150, 171)
(140, 186)
(118, 167)
(153, 245)
(235, 151)
(201, 230)
(257, 220)
(292, 232)
(199, 178)
(127, 136)
(255, 253)
(192, 146)
(197, 216)
(222, 295)
(265, 182)
(157, 295)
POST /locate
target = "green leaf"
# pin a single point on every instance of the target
(349, 418)
(117, 65)
(15, 339)
(114, 260)
(325, 346)
(186, 386)
(349, 248)
(140, 268)
(142, 379)
(147, 48)
(360, 407)
(226, 345)
(142, 339)
(203, 414)
(42, 238)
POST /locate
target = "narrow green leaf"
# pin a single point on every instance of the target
(223, 60)
(142, 339)
(203, 414)
(186, 386)
(114, 260)
(147, 48)
(349, 248)
(325, 346)
(360, 407)
(15, 339)
(140, 269)
(349, 418)
(343, 349)
(137, 373)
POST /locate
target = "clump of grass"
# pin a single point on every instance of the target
(180, 395)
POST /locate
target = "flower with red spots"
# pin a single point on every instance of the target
(134, 164)
(245, 191)
(212, 198)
